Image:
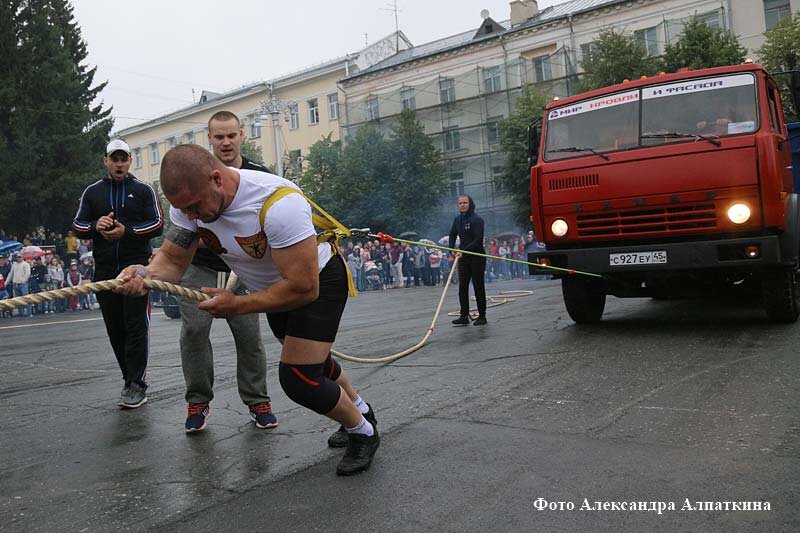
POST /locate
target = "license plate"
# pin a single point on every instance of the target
(638, 258)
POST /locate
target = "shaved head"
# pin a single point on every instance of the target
(186, 166)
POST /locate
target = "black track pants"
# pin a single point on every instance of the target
(128, 325)
(472, 268)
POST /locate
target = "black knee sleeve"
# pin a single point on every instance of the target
(308, 386)
(331, 368)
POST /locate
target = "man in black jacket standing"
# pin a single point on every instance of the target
(468, 227)
(122, 214)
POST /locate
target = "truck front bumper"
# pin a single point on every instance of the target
(727, 254)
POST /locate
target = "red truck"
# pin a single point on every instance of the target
(673, 186)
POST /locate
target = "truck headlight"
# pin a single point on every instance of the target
(559, 227)
(739, 213)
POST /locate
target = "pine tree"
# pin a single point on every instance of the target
(10, 65)
(53, 136)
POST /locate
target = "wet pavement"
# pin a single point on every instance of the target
(661, 402)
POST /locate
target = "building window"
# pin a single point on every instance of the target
(447, 91)
(542, 71)
(497, 171)
(372, 108)
(295, 161)
(137, 158)
(712, 19)
(452, 140)
(456, 183)
(588, 49)
(172, 143)
(491, 79)
(255, 126)
(333, 106)
(313, 111)
(775, 10)
(294, 118)
(648, 38)
(155, 158)
(408, 98)
(493, 130)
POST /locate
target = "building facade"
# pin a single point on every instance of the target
(462, 87)
(314, 112)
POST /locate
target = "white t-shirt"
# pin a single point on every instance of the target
(244, 246)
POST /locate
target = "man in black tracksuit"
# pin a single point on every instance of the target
(122, 214)
(469, 228)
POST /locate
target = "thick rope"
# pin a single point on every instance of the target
(97, 286)
(420, 344)
(504, 298)
(163, 286)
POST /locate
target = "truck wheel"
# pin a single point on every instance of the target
(782, 296)
(584, 297)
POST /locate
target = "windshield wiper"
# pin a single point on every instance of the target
(680, 135)
(579, 149)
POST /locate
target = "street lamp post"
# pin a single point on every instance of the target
(274, 108)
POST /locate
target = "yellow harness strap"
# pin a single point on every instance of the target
(332, 230)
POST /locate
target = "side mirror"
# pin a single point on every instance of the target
(533, 144)
(794, 90)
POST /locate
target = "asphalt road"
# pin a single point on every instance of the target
(661, 403)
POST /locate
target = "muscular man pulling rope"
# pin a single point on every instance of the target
(301, 285)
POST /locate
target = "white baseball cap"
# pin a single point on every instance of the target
(116, 145)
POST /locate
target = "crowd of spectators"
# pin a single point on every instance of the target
(66, 262)
(375, 265)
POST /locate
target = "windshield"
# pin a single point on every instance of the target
(702, 109)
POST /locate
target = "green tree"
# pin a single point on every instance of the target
(615, 57)
(51, 135)
(781, 53)
(321, 169)
(418, 180)
(514, 144)
(701, 46)
(359, 194)
(10, 63)
(252, 151)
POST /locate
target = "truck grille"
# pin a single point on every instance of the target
(653, 220)
(574, 182)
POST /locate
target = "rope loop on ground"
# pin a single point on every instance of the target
(407, 351)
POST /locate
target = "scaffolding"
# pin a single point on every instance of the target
(462, 115)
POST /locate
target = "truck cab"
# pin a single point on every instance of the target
(674, 186)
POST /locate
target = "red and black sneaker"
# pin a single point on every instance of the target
(196, 420)
(261, 413)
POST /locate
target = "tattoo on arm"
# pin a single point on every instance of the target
(181, 237)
